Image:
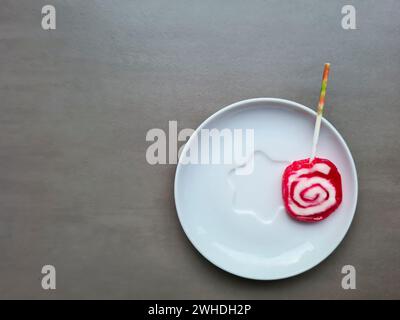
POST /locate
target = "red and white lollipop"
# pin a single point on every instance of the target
(312, 187)
(311, 190)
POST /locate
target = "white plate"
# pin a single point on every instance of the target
(239, 222)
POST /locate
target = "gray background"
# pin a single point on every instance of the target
(76, 103)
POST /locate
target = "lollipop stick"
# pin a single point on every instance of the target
(320, 110)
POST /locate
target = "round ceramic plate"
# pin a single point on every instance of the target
(238, 222)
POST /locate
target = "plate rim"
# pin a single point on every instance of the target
(294, 105)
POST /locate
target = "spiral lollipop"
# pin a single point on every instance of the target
(312, 188)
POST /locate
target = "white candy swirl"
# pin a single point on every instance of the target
(311, 195)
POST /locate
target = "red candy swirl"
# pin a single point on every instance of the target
(311, 190)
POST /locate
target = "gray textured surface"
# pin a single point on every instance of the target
(76, 103)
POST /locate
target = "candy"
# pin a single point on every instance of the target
(311, 190)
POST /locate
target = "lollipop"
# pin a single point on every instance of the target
(312, 190)
(312, 187)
